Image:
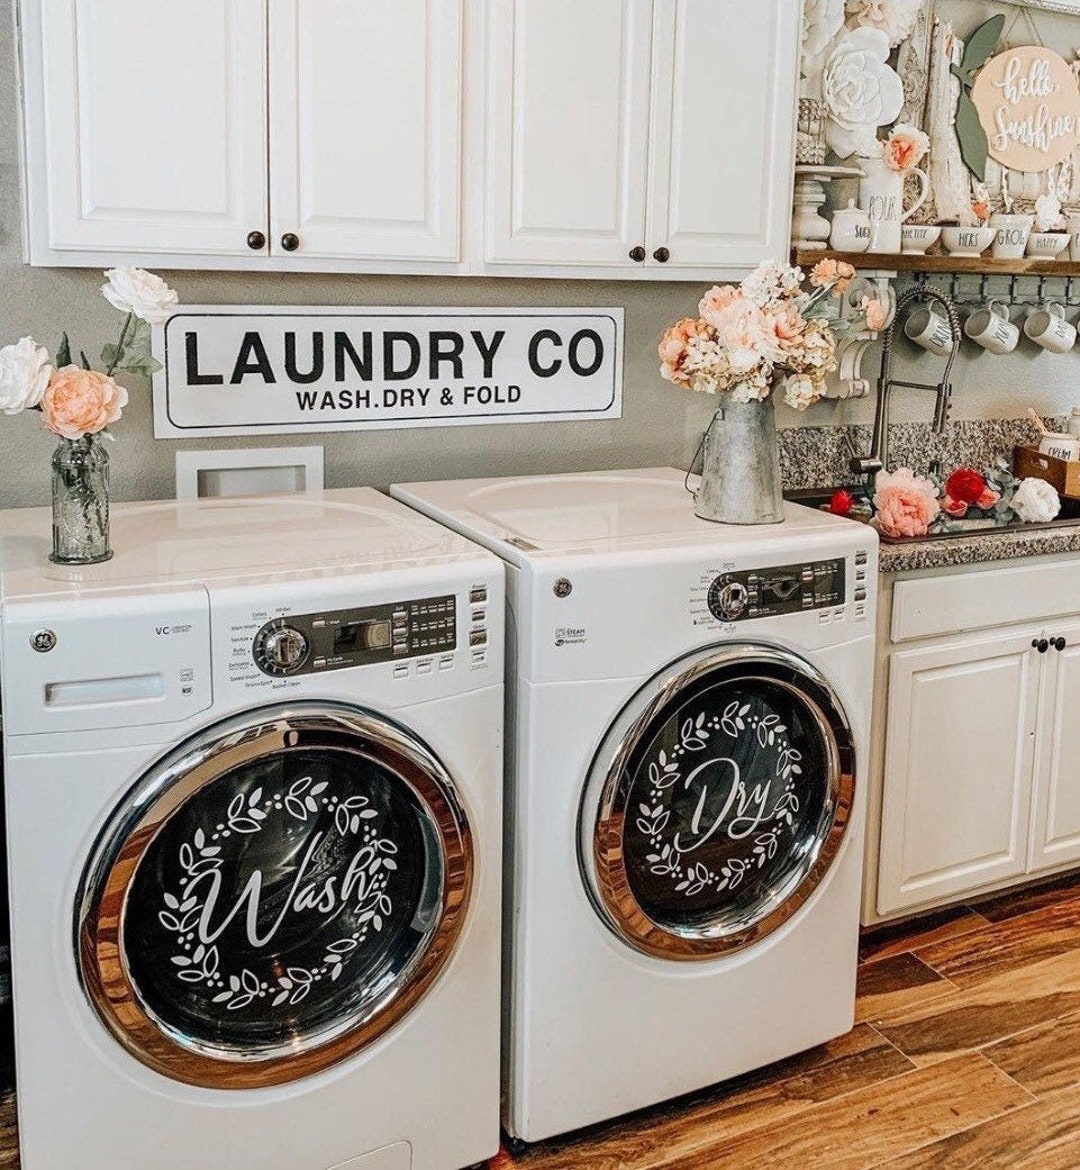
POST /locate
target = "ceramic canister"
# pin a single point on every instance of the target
(850, 229)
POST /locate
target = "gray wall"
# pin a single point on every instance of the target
(660, 425)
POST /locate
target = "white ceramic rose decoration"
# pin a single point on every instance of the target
(895, 18)
(860, 91)
(822, 20)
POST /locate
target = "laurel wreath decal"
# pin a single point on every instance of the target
(183, 908)
(754, 818)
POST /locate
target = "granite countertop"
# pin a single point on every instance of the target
(978, 548)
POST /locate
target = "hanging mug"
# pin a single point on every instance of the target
(881, 194)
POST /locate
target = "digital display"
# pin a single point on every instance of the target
(355, 636)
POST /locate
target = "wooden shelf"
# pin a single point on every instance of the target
(943, 265)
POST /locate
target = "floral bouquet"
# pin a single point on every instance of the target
(769, 331)
(906, 505)
(78, 403)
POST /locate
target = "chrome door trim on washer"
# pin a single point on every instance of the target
(605, 806)
(165, 787)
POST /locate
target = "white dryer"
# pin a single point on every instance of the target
(253, 771)
(688, 715)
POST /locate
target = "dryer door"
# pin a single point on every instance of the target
(717, 802)
(274, 895)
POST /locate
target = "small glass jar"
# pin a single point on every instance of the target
(80, 502)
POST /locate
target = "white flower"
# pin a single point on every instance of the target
(134, 290)
(822, 20)
(895, 18)
(751, 390)
(1048, 213)
(799, 393)
(860, 91)
(1036, 502)
(24, 374)
(770, 281)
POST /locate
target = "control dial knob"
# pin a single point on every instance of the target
(280, 649)
(728, 600)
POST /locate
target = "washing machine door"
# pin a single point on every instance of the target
(273, 896)
(717, 803)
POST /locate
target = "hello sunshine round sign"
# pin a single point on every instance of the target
(1028, 101)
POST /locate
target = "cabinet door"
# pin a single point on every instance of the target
(567, 126)
(958, 768)
(725, 80)
(365, 123)
(153, 119)
(1056, 829)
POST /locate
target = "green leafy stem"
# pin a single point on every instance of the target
(129, 355)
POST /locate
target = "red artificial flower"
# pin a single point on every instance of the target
(955, 508)
(965, 486)
(841, 503)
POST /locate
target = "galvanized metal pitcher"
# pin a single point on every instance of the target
(740, 475)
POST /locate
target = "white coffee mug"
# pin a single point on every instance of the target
(992, 329)
(1048, 328)
(928, 327)
(1013, 233)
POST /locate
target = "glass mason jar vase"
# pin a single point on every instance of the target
(80, 502)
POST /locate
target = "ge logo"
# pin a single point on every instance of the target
(563, 588)
(43, 641)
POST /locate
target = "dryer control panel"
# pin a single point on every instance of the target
(313, 643)
(759, 593)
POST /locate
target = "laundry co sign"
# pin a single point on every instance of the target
(278, 370)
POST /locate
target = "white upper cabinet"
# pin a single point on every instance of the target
(146, 125)
(651, 138)
(568, 105)
(365, 118)
(640, 139)
(722, 155)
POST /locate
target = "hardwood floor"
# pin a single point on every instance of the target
(966, 1054)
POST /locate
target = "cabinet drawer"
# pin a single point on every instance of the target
(982, 600)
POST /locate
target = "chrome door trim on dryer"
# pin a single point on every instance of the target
(611, 807)
(261, 739)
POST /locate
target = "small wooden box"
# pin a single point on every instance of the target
(1065, 476)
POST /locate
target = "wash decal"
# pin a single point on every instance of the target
(271, 903)
(294, 370)
(728, 794)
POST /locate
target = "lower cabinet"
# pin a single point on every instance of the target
(980, 778)
(959, 768)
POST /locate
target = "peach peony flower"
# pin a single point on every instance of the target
(981, 210)
(875, 313)
(743, 331)
(717, 299)
(787, 326)
(837, 274)
(905, 148)
(906, 504)
(81, 402)
(988, 500)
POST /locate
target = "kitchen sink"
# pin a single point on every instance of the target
(1070, 514)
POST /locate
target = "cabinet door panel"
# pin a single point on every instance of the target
(568, 92)
(958, 769)
(723, 126)
(365, 115)
(1056, 833)
(154, 124)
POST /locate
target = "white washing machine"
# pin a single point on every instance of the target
(688, 717)
(253, 771)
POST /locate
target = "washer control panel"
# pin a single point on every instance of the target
(772, 592)
(313, 643)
